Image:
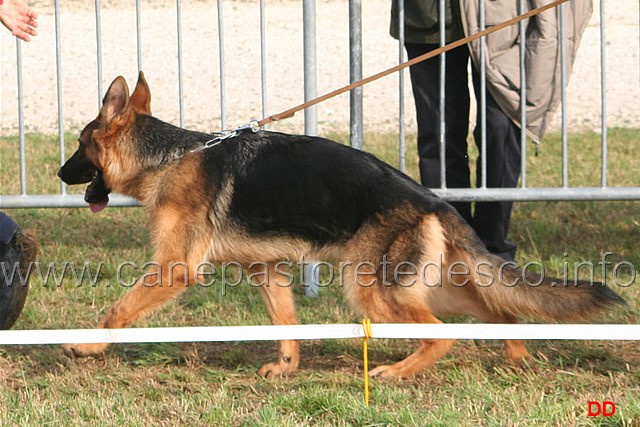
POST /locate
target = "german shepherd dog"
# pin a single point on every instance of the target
(263, 197)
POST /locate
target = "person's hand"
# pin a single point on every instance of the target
(19, 18)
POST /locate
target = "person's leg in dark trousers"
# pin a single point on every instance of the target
(425, 81)
(491, 220)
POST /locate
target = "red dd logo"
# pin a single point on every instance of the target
(605, 409)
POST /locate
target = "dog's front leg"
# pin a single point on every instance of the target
(275, 288)
(161, 283)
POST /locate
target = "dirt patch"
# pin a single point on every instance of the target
(201, 92)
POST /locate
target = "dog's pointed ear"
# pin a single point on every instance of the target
(115, 100)
(141, 96)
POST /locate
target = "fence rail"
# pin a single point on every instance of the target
(452, 194)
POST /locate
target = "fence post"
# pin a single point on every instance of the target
(355, 73)
(402, 138)
(310, 65)
(311, 274)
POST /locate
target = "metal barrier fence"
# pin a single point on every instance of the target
(309, 15)
(217, 15)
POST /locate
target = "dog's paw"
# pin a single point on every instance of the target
(288, 361)
(521, 361)
(83, 350)
(276, 369)
(526, 364)
(389, 371)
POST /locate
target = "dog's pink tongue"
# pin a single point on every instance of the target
(97, 207)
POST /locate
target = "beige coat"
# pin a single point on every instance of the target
(543, 55)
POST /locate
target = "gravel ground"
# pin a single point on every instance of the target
(284, 64)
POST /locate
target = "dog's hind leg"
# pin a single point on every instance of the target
(515, 350)
(400, 293)
(399, 302)
(429, 352)
(275, 288)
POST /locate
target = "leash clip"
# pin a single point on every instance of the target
(217, 140)
(253, 126)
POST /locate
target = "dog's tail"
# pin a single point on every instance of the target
(514, 293)
(506, 289)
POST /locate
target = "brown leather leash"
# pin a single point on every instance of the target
(290, 112)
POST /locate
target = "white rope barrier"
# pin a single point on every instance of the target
(509, 331)
(315, 332)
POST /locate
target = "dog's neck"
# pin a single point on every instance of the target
(162, 143)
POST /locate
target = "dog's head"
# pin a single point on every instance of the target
(91, 161)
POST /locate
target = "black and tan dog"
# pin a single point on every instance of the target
(265, 197)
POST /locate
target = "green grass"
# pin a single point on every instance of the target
(216, 384)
